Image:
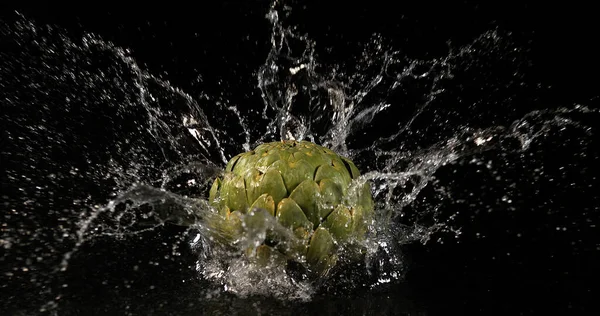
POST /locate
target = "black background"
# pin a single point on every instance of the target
(233, 35)
(546, 270)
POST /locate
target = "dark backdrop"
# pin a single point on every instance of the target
(547, 269)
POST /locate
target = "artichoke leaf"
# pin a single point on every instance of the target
(266, 202)
(331, 195)
(321, 251)
(328, 172)
(290, 215)
(306, 195)
(233, 192)
(270, 182)
(339, 223)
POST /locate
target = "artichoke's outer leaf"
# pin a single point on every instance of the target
(233, 192)
(224, 212)
(296, 249)
(270, 183)
(354, 173)
(330, 152)
(266, 255)
(252, 179)
(281, 166)
(232, 162)
(213, 194)
(294, 173)
(306, 195)
(365, 199)
(229, 226)
(342, 170)
(284, 154)
(244, 162)
(329, 172)
(339, 223)
(331, 194)
(321, 254)
(302, 232)
(261, 150)
(266, 160)
(293, 246)
(265, 202)
(235, 221)
(299, 156)
(256, 222)
(315, 157)
(290, 215)
(359, 221)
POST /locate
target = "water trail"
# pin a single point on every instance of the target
(158, 126)
(85, 124)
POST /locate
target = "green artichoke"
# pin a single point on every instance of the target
(306, 189)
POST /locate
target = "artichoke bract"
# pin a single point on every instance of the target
(306, 188)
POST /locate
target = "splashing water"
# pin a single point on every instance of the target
(98, 148)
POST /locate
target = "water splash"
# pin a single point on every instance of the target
(162, 150)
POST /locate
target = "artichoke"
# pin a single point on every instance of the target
(305, 189)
